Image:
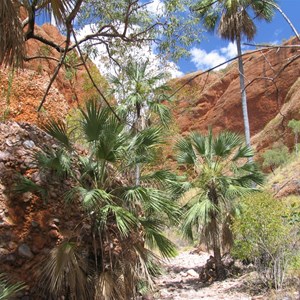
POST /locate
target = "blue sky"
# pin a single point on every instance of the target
(213, 49)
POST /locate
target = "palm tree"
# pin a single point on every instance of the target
(141, 93)
(126, 221)
(235, 22)
(220, 173)
(12, 42)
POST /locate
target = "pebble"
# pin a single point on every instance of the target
(54, 234)
(192, 273)
(25, 251)
(28, 144)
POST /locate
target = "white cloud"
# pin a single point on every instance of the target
(156, 7)
(230, 51)
(205, 60)
(139, 53)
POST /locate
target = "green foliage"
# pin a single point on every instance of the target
(266, 234)
(44, 50)
(104, 187)
(275, 157)
(221, 173)
(24, 185)
(97, 77)
(71, 63)
(8, 290)
(294, 125)
(141, 92)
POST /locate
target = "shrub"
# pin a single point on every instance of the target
(275, 157)
(265, 235)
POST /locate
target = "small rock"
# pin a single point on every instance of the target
(3, 252)
(56, 221)
(183, 274)
(25, 251)
(4, 156)
(54, 234)
(192, 272)
(12, 245)
(28, 144)
(10, 258)
(27, 197)
(35, 224)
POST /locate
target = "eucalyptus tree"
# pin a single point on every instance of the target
(234, 20)
(114, 22)
(220, 172)
(110, 250)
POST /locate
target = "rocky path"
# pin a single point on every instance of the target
(181, 282)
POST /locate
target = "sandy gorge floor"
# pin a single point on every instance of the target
(180, 281)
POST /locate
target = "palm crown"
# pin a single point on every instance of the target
(118, 210)
(220, 172)
(233, 17)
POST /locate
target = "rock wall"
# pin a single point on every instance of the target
(21, 91)
(29, 225)
(214, 98)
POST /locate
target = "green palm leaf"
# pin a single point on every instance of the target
(125, 220)
(9, 290)
(163, 113)
(24, 185)
(93, 119)
(156, 239)
(58, 130)
(185, 152)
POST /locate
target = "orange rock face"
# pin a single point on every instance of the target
(214, 99)
(23, 90)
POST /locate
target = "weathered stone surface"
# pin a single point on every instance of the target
(25, 251)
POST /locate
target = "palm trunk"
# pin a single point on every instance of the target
(220, 271)
(243, 92)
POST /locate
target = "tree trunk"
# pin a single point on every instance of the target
(216, 245)
(243, 92)
(220, 271)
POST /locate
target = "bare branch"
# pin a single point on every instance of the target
(92, 79)
(271, 46)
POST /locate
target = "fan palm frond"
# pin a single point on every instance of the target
(56, 160)
(197, 213)
(58, 130)
(163, 112)
(59, 8)
(125, 220)
(9, 290)
(93, 119)
(185, 152)
(11, 38)
(225, 143)
(155, 238)
(24, 185)
(65, 271)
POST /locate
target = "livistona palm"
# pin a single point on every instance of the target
(220, 173)
(234, 21)
(12, 42)
(126, 220)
